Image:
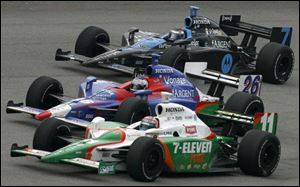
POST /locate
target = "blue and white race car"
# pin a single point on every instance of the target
(131, 101)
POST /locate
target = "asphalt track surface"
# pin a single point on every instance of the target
(32, 31)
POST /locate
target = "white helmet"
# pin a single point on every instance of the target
(138, 84)
(176, 34)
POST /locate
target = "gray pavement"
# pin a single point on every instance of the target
(32, 31)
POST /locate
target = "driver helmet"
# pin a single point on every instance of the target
(176, 34)
(138, 83)
(149, 122)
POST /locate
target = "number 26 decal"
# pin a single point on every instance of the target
(250, 84)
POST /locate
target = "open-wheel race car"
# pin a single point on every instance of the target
(200, 40)
(175, 140)
(131, 101)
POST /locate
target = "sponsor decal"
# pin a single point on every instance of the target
(138, 62)
(197, 158)
(192, 147)
(226, 18)
(188, 167)
(86, 101)
(183, 93)
(108, 55)
(196, 166)
(178, 118)
(84, 161)
(226, 63)
(194, 43)
(171, 80)
(220, 44)
(195, 117)
(188, 117)
(164, 71)
(89, 116)
(201, 22)
(175, 109)
(164, 46)
(217, 32)
(106, 168)
(190, 129)
(105, 93)
(168, 133)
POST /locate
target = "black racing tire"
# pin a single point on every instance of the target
(243, 103)
(45, 137)
(175, 57)
(145, 159)
(275, 62)
(38, 94)
(259, 153)
(132, 110)
(87, 39)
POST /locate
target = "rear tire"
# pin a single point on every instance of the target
(38, 94)
(275, 62)
(86, 43)
(175, 57)
(145, 159)
(259, 153)
(45, 137)
(132, 110)
(242, 103)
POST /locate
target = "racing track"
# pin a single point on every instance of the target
(32, 31)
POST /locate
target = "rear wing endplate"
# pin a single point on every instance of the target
(246, 83)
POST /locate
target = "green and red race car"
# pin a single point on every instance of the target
(175, 140)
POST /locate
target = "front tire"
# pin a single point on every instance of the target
(175, 57)
(132, 110)
(86, 43)
(259, 153)
(38, 94)
(145, 159)
(46, 135)
(275, 62)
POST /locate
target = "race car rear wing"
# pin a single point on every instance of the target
(232, 25)
(246, 83)
(261, 121)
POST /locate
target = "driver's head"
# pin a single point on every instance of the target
(149, 122)
(176, 34)
(138, 83)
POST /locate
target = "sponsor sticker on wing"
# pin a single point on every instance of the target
(106, 168)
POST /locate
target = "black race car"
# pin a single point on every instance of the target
(201, 39)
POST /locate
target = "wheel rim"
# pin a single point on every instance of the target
(153, 163)
(269, 156)
(283, 68)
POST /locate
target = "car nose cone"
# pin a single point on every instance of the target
(43, 115)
